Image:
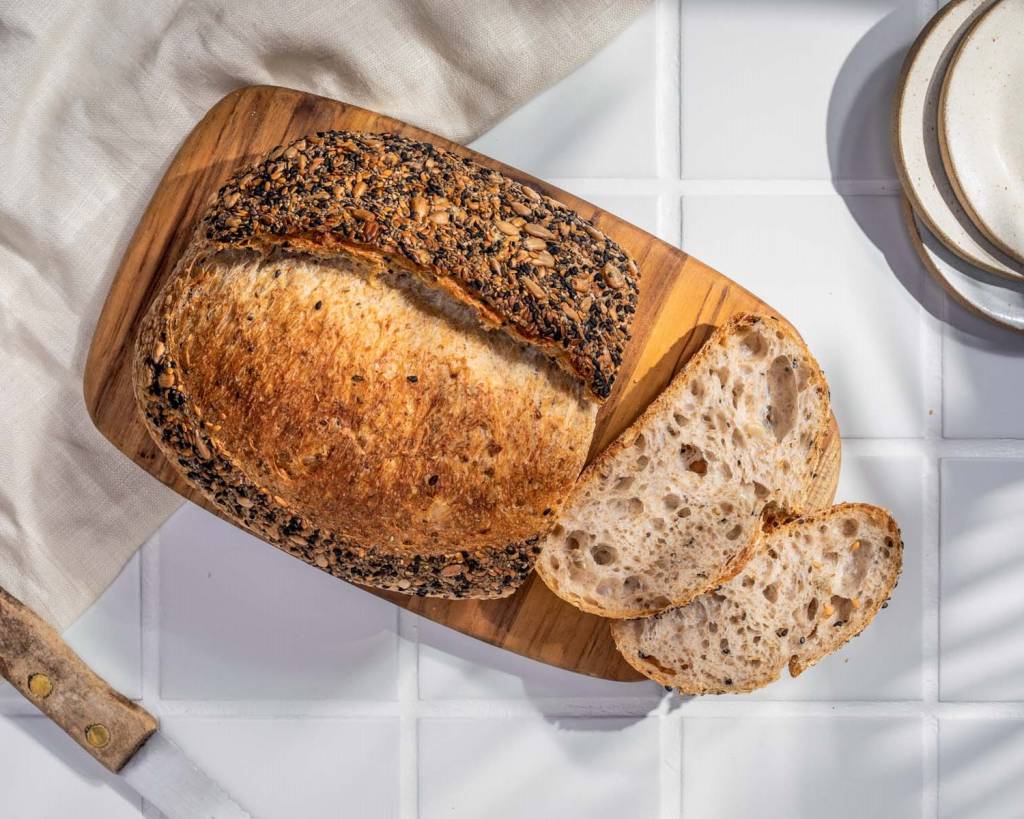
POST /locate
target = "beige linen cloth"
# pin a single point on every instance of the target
(96, 97)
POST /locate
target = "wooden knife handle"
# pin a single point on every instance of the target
(36, 661)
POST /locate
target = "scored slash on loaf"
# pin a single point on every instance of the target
(386, 359)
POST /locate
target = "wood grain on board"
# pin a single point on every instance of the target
(681, 301)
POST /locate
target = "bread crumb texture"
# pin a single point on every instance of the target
(672, 508)
(814, 583)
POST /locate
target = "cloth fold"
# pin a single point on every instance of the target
(97, 95)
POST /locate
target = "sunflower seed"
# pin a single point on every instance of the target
(543, 259)
(531, 193)
(439, 217)
(612, 277)
(538, 230)
(419, 207)
(533, 243)
(521, 209)
(359, 189)
(506, 227)
(595, 234)
(534, 288)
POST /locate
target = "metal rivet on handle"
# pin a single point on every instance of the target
(40, 686)
(97, 736)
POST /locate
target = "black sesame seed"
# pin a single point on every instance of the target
(318, 305)
(412, 379)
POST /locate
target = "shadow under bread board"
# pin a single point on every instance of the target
(681, 301)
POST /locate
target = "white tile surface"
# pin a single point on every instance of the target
(108, 636)
(456, 667)
(982, 571)
(983, 368)
(810, 258)
(790, 88)
(529, 768)
(240, 619)
(884, 662)
(842, 768)
(981, 768)
(44, 775)
(597, 122)
(282, 768)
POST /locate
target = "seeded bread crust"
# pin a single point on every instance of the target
(526, 262)
(816, 582)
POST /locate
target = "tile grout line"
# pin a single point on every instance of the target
(663, 185)
(408, 715)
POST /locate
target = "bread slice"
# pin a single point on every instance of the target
(671, 508)
(816, 582)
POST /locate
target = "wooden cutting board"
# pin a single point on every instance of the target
(681, 301)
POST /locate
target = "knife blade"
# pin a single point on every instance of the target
(121, 735)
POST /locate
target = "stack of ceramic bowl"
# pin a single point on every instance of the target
(958, 138)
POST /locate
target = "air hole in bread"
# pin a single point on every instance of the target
(624, 483)
(737, 438)
(673, 432)
(723, 376)
(679, 418)
(713, 628)
(760, 491)
(489, 472)
(723, 644)
(493, 448)
(684, 512)
(554, 562)
(642, 461)
(659, 526)
(754, 344)
(726, 507)
(635, 506)
(605, 587)
(697, 389)
(672, 501)
(771, 592)
(572, 543)
(633, 584)
(748, 581)
(842, 607)
(737, 393)
(726, 471)
(832, 557)
(734, 533)
(781, 415)
(604, 554)
(812, 609)
(694, 459)
(850, 527)
(640, 442)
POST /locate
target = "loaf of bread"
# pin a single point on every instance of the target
(386, 359)
(670, 509)
(814, 583)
